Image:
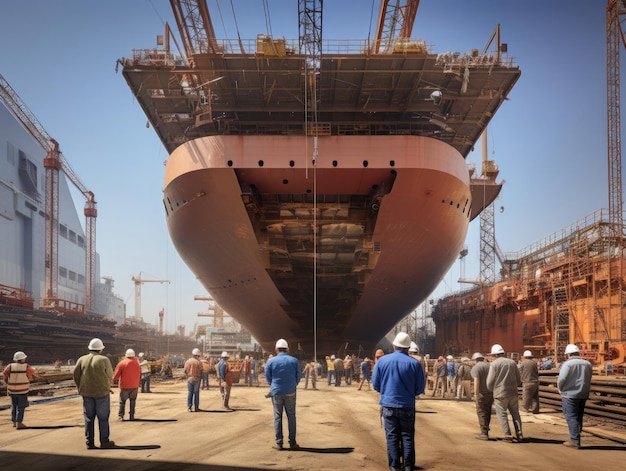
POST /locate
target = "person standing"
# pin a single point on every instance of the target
(440, 370)
(482, 395)
(464, 379)
(366, 373)
(529, 373)
(206, 367)
(247, 370)
(330, 366)
(414, 352)
(225, 378)
(503, 379)
(399, 379)
(309, 374)
(451, 375)
(338, 362)
(18, 376)
(93, 374)
(348, 370)
(128, 372)
(193, 371)
(574, 382)
(145, 373)
(282, 373)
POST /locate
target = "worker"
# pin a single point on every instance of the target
(464, 379)
(18, 376)
(440, 370)
(145, 373)
(282, 373)
(225, 379)
(309, 374)
(529, 372)
(503, 379)
(450, 374)
(338, 362)
(574, 382)
(482, 395)
(399, 379)
(193, 370)
(204, 374)
(366, 373)
(128, 373)
(414, 352)
(330, 367)
(93, 374)
(379, 353)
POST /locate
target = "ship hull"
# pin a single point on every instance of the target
(390, 218)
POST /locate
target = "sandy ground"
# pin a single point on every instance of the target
(338, 428)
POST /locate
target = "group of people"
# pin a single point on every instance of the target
(399, 377)
(497, 382)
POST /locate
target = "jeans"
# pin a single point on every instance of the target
(399, 424)
(205, 379)
(131, 395)
(510, 403)
(288, 403)
(19, 402)
(193, 394)
(99, 407)
(331, 375)
(573, 410)
(145, 382)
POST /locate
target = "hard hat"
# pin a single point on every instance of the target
(379, 353)
(96, 344)
(571, 348)
(224, 354)
(477, 355)
(281, 343)
(413, 348)
(332, 357)
(195, 351)
(528, 354)
(496, 349)
(402, 340)
(141, 354)
(130, 353)
(19, 356)
(449, 357)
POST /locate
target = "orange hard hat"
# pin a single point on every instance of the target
(379, 353)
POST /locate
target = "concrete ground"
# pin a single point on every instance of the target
(338, 428)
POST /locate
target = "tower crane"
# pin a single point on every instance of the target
(54, 162)
(138, 282)
(395, 21)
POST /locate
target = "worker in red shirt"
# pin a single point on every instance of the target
(128, 372)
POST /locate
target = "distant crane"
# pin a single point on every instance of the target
(138, 282)
(218, 314)
(53, 163)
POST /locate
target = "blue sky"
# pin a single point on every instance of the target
(549, 139)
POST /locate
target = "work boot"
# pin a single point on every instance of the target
(20, 425)
(294, 446)
(109, 444)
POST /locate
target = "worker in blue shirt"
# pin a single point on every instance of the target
(282, 373)
(399, 378)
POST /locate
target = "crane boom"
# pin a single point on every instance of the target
(395, 21)
(138, 282)
(53, 163)
(195, 26)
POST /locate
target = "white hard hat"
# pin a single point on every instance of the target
(332, 357)
(413, 348)
(477, 355)
(224, 354)
(496, 349)
(402, 340)
(449, 357)
(130, 353)
(571, 348)
(19, 356)
(141, 354)
(195, 351)
(96, 344)
(528, 354)
(281, 343)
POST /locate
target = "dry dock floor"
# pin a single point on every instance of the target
(338, 428)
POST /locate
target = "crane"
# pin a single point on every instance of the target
(54, 162)
(395, 21)
(218, 313)
(138, 282)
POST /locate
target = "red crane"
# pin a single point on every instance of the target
(53, 163)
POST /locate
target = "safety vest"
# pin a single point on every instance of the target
(18, 382)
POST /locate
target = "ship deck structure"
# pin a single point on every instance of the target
(324, 223)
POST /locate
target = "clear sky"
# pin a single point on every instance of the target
(549, 139)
